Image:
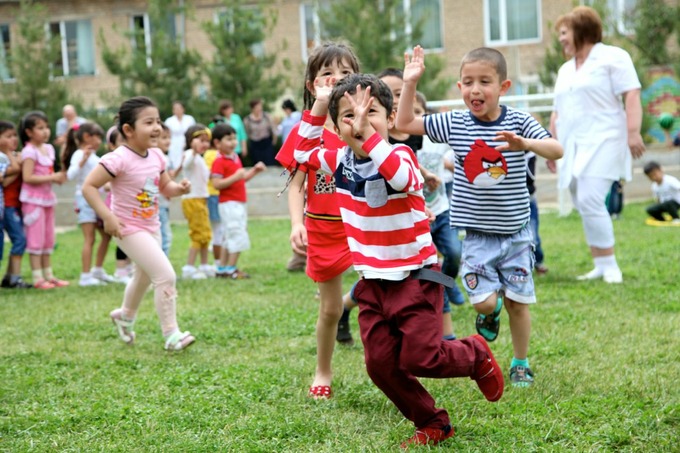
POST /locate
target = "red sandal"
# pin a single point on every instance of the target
(320, 392)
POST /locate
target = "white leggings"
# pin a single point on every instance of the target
(588, 195)
(152, 266)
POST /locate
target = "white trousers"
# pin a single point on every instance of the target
(588, 195)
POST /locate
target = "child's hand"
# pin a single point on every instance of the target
(432, 181)
(59, 177)
(112, 226)
(514, 141)
(414, 65)
(430, 215)
(552, 166)
(323, 86)
(361, 127)
(184, 186)
(260, 166)
(298, 239)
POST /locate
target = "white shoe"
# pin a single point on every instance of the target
(100, 274)
(613, 276)
(188, 271)
(198, 275)
(207, 269)
(592, 275)
(89, 280)
(120, 277)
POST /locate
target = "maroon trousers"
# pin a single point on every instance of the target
(401, 329)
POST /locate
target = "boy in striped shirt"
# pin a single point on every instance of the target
(380, 193)
(490, 199)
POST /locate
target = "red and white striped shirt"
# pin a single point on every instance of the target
(380, 198)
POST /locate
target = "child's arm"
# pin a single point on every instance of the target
(258, 168)
(547, 147)
(296, 209)
(413, 69)
(220, 183)
(78, 161)
(308, 144)
(96, 179)
(170, 188)
(31, 178)
(13, 171)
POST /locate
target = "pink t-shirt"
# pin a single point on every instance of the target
(38, 194)
(134, 189)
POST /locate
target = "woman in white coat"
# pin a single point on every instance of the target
(597, 117)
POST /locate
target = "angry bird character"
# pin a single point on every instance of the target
(484, 166)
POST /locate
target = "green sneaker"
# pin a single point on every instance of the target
(488, 326)
(521, 376)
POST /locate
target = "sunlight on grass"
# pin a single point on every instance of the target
(606, 360)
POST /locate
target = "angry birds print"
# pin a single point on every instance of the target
(484, 166)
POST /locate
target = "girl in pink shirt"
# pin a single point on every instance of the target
(136, 173)
(37, 198)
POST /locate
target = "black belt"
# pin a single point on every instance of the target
(433, 276)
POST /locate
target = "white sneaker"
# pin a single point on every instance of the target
(190, 272)
(89, 280)
(592, 275)
(199, 275)
(121, 276)
(613, 276)
(207, 269)
(100, 274)
(675, 222)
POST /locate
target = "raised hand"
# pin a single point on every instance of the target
(323, 86)
(514, 141)
(414, 65)
(260, 166)
(361, 106)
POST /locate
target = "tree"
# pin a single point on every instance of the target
(157, 65)
(384, 40)
(32, 86)
(240, 68)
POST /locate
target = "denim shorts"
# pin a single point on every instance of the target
(494, 262)
(85, 212)
(14, 226)
(213, 208)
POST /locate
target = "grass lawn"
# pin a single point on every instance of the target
(606, 358)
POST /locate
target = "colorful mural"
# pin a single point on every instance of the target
(662, 95)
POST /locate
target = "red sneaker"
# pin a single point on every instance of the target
(488, 374)
(428, 436)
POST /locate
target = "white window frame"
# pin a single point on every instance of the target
(618, 15)
(504, 41)
(146, 27)
(63, 47)
(317, 39)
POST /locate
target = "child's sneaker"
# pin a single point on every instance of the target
(488, 325)
(58, 283)
(344, 336)
(428, 436)
(122, 276)
(89, 280)
(123, 326)
(235, 275)
(101, 275)
(521, 376)
(190, 272)
(488, 375)
(43, 284)
(179, 341)
(208, 270)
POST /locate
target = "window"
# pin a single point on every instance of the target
(512, 21)
(247, 19)
(5, 45)
(618, 12)
(426, 12)
(142, 30)
(76, 44)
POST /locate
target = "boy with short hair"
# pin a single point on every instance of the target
(490, 197)
(11, 221)
(666, 189)
(229, 177)
(380, 193)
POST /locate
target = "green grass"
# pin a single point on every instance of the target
(606, 358)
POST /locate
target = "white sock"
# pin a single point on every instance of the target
(606, 262)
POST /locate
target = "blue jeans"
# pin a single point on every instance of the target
(533, 220)
(446, 240)
(166, 232)
(14, 226)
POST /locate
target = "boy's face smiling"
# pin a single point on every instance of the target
(378, 117)
(227, 145)
(9, 140)
(481, 88)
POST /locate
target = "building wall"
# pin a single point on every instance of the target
(463, 30)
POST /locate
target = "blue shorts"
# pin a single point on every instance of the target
(213, 208)
(85, 212)
(494, 262)
(14, 226)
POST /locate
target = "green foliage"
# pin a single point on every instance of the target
(240, 67)
(382, 43)
(33, 87)
(553, 59)
(605, 358)
(653, 23)
(164, 70)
